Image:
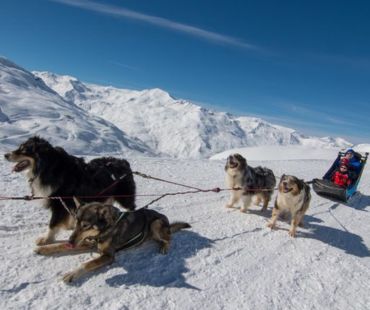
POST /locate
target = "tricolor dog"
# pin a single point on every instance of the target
(248, 182)
(294, 196)
(105, 229)
(51, 171)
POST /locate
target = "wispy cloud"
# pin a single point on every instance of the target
(159, 22)
(119, 64)
(305, 111)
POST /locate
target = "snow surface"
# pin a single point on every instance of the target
(227, 260)
(28, 107)
(176, 127)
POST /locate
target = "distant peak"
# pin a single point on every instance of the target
(157, 92)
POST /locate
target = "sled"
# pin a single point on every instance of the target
(326, 188)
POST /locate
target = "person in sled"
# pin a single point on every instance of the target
(341, 176)
(351, 161)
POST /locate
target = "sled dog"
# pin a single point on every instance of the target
(105, 229)
(51, 171)
(248, 182)
(294, 196)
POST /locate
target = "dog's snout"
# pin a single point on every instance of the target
(72, 239)
(7, 156)
(285, 183)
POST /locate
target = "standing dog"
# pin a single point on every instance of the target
(248, 182)
(104, 228)
(51, 171)
(294, 196)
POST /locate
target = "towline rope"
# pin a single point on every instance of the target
(146, 176)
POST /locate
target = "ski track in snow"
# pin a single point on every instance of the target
(227, 260)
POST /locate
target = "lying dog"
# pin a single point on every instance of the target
(107, 230)
(248, 182)
(51, 171)
(294, 196)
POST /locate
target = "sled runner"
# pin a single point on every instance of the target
(326, 188)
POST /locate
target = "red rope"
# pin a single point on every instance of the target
(99, 195)
(27, 197)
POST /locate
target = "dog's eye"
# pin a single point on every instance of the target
(85, 225)
(25, 149)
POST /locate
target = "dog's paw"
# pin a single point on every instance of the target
(40, 250)
(43, 240)
(270, 225)
(228, 206)
(163, 250)
(69, 277)
(292, 233)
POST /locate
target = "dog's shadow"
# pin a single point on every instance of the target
(146, 266)
(340, 238)
(349, 242)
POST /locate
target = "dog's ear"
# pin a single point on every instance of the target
(104, 217)
(242, 161)
(109, 201)
(300, 184)
(77, 202)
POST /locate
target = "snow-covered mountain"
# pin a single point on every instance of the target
(91, 119)
(175, 127)
(29, 107)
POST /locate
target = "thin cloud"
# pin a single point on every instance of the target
(306, 111)
(119, 64)
(160, 22)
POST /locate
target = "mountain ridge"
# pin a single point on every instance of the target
(177, 127)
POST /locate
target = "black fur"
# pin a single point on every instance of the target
(259, 177)
(68, 176)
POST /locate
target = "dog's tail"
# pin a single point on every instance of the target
(174, 227)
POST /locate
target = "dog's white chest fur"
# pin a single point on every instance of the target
(40, 190)
(287, 201)
(234, 178)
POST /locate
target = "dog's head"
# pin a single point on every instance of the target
(290, 184)
(27, 154)
(235, 162)
(92, 219)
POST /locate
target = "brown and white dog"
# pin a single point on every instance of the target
(248, 182)
(294, 196)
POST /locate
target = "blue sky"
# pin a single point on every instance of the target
(301, 64)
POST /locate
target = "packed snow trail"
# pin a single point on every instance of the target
(227, 260)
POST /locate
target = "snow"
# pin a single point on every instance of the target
(278, 152)
(362, 148)
(227, 260)
(28, 107)
(176, 127)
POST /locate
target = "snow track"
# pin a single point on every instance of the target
(227, 260)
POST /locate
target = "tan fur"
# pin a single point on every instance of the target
(36, 190)
(161, 235)
(292, 199)
(159, 230)
(49, 237)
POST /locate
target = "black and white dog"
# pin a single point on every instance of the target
(51, 171)
(248, 182)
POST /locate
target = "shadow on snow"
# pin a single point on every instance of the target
(145, 266)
